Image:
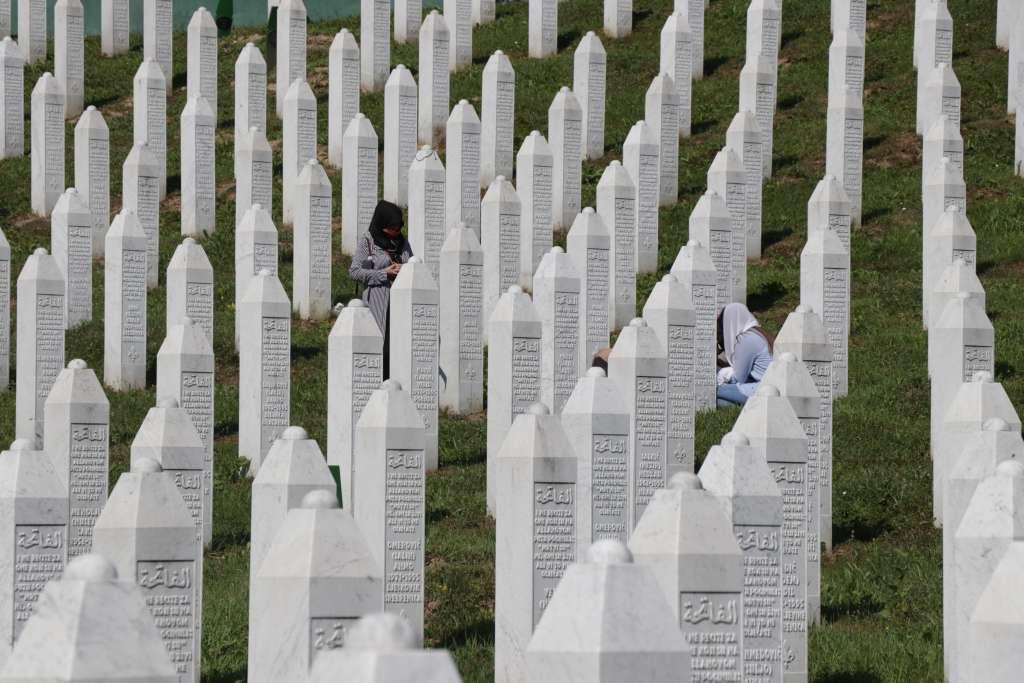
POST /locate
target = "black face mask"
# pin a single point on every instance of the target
(387, 215)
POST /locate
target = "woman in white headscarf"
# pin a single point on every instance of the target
(747, 349)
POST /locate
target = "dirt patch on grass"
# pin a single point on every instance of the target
(31, 223)
(1014, 269)
(896, 151)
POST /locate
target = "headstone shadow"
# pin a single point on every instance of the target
(566, 39)
(766, 295)
(711, 65)
(703, 126)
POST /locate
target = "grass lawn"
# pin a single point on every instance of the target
(881, 604)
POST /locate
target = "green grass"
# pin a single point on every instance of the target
(881, 608)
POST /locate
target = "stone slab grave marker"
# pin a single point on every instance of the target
(543, 28)
(150, 117)
(427, 186)
(408, 15)
(676, 55)
(687, 542)
(201, 58)
(140, 193)
(556, 294)
(147, 532)
(32, 30)
(537, 531)
(389, 501)
(596, 420)
(694, 10)
(415, 327)
(375, 43)
(381, 648)
(964, 344)
(47, 151)
(943, 139)
(995, 630)
(616, 206)
(114, 27)
(34, 529)
(5, 313)
(638, 366)
(299, 143)
(501, 213)
(618, 18)
(695, 270)
(359, 185)
(958, 277)
(993, 520)
(975, 403)
(790, 376)
(942, 97)
(773, 429)
(5, 18)
(806, 337)
(434, 81)
(12, 101)
(640, 158)
(1013, 76)
(944, 188)
(513, 373)
(744, 138)
(69, 53)
(291, 51)
(534, 178)
(91, 626)
(462, 165)
(255, 249)
(294, 467)
(354, 371)
(264, 361)
(77, 439)
(184, 374)
(158, 36)
(589, 247)
(483, 12)
(669, 312)
(458, 14)
(764, 30)
(588, 84)
(740, 478)
(71, 241)
(1006, 18)
(661, 112)
(198, 169)
(461, 353)
(40, 340)
(254, 174)
(168, 436)
(312, 243)
(317, 578)
(711, 224)
(757, 94)
(981, 455)
(951, 238)
(342, 92)
(936, 47)
(565, 135)
(400, 121)
(497, 118)
(829, 209)
(125, 297)
(825, 287)
(728, 178)
(580, 637)
(92, 171)
(844, 155)
(851, 16)
(846, 63)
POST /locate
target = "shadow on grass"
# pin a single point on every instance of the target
(859, 530)
(479, 631)
(230, 539)
(766, 296)
(227, 676)
(702, 126)
(1004, 370)
(874, 215)
(774, 237)
(787, 103)
(873, 141)
(789, 37)
(711, 65)
(853, 677)
(640, 15)
(567, 39)
(837, 611)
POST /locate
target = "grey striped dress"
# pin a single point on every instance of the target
(367, 268)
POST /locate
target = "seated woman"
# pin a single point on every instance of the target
(380, 253)
(748, 351)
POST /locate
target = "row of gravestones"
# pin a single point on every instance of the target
(975, 430)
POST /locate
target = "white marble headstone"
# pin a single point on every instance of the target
(158, 36)
(427, 186)
(434, 83)
(359, 183)
(69, 53)
(565, 135)
(150, 117)
(342, 92)
(694, 10)
(950, 238)
(711, 224)
(534, 177)
(32, 29)
(400, 121)
(462, 165)
(291, 49)
(825, 285)
(71, 236)
(458, 14)
(5, 312)
(190, 287)
(497, 111)
(589, 246)
(114, 26)
(255, 249)
(40, 339)
(829, 209)
(618, 18)
(543, 28)
(995, 630)
(556, 294)
(375, 43)
(694, 268)
(758, 94)
(12, 100)
(958, 277)
(936, 47)
(501, 222)
(47, 144)
(744, 138)
(408, 15)
(676, 54)
(588, 84)
(140, 193)
(641, 159)
(298, 142)
(201, 62)
(846, 63)
(198, 168)
(312, 261)
(92, 171)
(254, 174)
(124, 291)
(844, 155)
(616, 202)
(728, 177)
(661, 112)
(461, 291)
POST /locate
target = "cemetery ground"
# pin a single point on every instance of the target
(881, 596)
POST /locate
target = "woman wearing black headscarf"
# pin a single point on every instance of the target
(380, 253)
